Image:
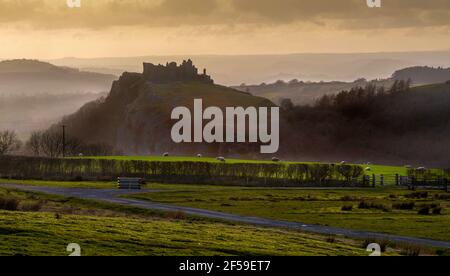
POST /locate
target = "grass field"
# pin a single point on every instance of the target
(389, 210)
(44, 234)
(108, 229)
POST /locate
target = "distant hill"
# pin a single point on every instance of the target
(301, 92)
(232, 70)
(421, 75)
(32, 77)
(25, 114)
(135, 116)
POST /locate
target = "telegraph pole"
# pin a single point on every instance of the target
(63, 141)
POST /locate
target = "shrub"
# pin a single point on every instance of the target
(58, 216)
(404, 206)
(382, 243)
(331, 239)
(347, 208)
(176, 215)
(424, 210)
(442, 196)
(364, 205)
(348, 198)
(417, 195)
(9, 203)
(31, 206)
(411, 250)
(437, 211)
(371, 205)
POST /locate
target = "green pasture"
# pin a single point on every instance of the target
(321, 206)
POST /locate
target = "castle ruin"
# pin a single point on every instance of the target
(172, 72)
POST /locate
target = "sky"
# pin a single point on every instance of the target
(47, 29)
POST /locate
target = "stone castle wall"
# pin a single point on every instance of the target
(173, 72)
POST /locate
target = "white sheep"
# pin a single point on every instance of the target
(166, 154)
(221, 159)
(199, 155)
(275, 159)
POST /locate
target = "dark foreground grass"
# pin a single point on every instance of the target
(387, 210)
(63, 184)
(45, 234)
(109, 229)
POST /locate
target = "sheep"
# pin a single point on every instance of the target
(343, 162)
(166, 154)
(221, 159)
(80, 155)
(421, 168)
(199, 155)
(368, 169)
(275, 159)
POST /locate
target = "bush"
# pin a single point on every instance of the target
(411, 251)
(371, 205)
(442, 196)
(347, 208)
(331, 239)
(348, 198)
(437, 211)
(9, 204)
(424, 210)
(382, 243)
(31, 206)
(404, 206)
(176, 215)
(417, 195)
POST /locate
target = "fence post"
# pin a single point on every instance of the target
(446, 185)
(397, 180)
(381, 179)
(374, 180)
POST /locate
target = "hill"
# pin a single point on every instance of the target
(421, 75)
(135, 116)
(302, 93)
(233, 70)
(398, 126)
(32, 77)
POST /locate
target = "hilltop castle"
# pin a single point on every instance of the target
(172, 72)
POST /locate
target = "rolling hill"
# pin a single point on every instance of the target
(33, 77)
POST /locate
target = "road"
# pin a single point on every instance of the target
(113, 196)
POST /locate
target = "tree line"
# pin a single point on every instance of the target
(51, 144)
(257, 174)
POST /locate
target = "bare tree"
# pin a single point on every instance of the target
(34, 144)
(8, 142)
(51, 143)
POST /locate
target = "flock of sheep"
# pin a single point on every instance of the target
(275, 159)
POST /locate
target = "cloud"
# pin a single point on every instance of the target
(340, 14)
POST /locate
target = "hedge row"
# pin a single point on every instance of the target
(182, 172)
